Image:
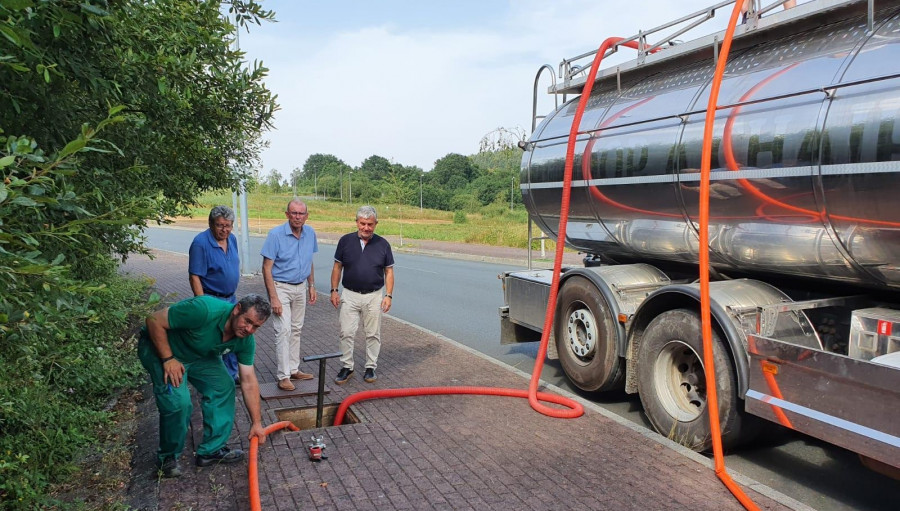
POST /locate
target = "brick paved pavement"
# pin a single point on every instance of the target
(438, 452)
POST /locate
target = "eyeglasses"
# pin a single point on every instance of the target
(223, 226)
(297, 213)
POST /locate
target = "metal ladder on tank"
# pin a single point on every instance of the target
(534, 120)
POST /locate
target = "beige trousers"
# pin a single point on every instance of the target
(356, 306)
(288, 327)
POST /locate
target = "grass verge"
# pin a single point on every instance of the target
(492, 225)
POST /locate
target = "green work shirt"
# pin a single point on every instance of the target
(196, 327)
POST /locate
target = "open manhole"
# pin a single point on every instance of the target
(304, 417)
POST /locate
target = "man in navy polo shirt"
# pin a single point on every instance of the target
(367, 263)
(214, 266)
(290, 278)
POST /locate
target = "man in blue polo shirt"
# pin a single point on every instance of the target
(367, 263)
(214, 266)
(185, 342)
(290, 279)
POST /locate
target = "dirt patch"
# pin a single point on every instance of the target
(102, 477)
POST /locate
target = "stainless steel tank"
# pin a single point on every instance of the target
(805, 158)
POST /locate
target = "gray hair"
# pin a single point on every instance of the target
(220, 212)
(258, 302)
(366, 212)
(295, 200)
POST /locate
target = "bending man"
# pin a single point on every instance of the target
(185, 342)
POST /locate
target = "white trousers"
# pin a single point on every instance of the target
(356, 306)
(288, 327)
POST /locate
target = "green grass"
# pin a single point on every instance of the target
(493, 225)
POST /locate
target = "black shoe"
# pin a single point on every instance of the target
(169, 467)
(343, 375)
(223, 455)
(369, 375)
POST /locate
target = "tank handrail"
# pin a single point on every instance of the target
(569, 67)
(537, 77)
(828, 90)
(565, 66)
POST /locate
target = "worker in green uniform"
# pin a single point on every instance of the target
(185, 342)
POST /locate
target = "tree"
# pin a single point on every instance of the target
(273, 181)
(193, 113)
(501, 139)
(316, 165)
(435, 197)
(376, 167)
(396, 191)
(179, 114)
(454, 171)
(489, 187)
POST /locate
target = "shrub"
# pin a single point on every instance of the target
(56, 386)
(464, 202)
(459, 217)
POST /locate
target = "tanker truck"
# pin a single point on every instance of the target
(804, 227)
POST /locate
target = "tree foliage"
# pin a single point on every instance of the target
(456, 182)
(453, 171)
(113, 114)
(192, 113)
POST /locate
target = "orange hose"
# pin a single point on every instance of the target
(561, 235)
(534, 397)
(436, 391)
(711, 396)
(253, 470)
(732, 165)
(772, 383)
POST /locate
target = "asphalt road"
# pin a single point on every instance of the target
(459, 299)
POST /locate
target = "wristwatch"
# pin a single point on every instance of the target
(390, 296)
(334, 290)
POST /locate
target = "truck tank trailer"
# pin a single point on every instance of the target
(804, 228)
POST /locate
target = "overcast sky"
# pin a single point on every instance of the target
(413, 80)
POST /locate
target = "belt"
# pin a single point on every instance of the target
(290, 283)
(217, 295)
(362, 292)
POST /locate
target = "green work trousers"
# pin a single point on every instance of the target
(216, 388)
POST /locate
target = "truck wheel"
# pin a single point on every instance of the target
(672, 383)
(586, 337)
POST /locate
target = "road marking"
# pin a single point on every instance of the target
(414, 269)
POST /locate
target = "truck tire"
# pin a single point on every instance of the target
(672, 384)
(586, 337)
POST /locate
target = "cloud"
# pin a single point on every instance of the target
(414, 94)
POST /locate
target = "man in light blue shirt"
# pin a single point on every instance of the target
(290, 282)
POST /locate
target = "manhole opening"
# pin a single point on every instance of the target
(304, 417)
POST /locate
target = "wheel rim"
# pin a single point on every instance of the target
(680, 381)
(581, 333)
